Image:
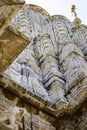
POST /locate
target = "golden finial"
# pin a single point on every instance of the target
(77, 21)
(73, 8)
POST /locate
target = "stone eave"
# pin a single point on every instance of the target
(40, 103)
(11, 45)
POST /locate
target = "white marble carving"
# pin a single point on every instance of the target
(55, 60)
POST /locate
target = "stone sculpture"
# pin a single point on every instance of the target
(11, 117)
(33, 85)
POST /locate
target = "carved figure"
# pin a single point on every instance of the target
(11, 117)
(28, 75)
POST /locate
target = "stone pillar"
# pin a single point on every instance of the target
(52, 78)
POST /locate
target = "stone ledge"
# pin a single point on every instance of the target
(33, 99)
(40, 103)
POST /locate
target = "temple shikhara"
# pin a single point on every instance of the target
(43, 69)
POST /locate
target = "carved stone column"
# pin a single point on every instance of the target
(52, 78)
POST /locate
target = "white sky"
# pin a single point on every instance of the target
(63, 7)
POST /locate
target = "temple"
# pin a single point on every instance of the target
(43, 78)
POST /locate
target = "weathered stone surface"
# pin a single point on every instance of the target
(13, 115)
(7, 2)
(8, 10)
(39, 123)
(10, 46)
(30, 120)
(74, 66)
(80, 36)
(5, 103)
(4, 127)
(49, 65)
(49, 77)
(77, 121)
